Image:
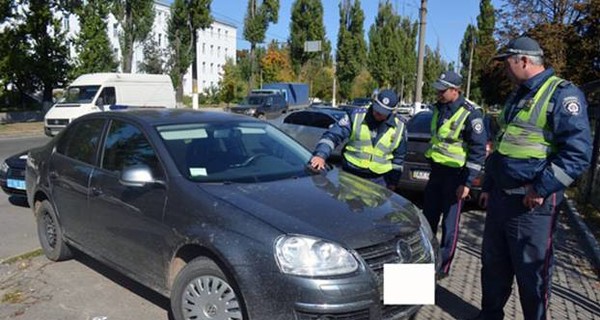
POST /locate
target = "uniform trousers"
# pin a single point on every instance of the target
(518, 242)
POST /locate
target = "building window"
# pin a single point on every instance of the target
(212, 31)
(159, 39)
(203, 47)
(226, 33)
(212, 51)
(203, 67)
(225, 52)
(212, 69)
(219, 33)
(218, 51)
(115, 30)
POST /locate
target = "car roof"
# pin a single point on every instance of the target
(166, 116)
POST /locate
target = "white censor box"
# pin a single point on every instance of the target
(409, 283)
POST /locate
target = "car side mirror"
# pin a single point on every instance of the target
(137, 176)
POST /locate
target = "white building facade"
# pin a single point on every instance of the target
(214, 46)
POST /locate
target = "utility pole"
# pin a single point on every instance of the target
(470, 64)
(419, 84)
(334, 77)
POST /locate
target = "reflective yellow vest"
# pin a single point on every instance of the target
(361, 152)
(446, 147)
(527, 135)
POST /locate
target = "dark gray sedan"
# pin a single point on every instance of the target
(220, 213)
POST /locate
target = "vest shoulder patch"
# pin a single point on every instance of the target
(477, 125)
(572, 105)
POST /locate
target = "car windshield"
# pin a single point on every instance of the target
(80, 94)
(420, 123)
(253, 100)
(234, 152)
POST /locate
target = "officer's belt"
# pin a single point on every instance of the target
(513, 191)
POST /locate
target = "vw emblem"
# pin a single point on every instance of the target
(210, 310)
(404, 251)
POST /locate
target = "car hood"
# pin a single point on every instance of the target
(337, 206)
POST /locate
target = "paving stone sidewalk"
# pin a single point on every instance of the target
(576, 288)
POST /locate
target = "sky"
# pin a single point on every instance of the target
(446, 20)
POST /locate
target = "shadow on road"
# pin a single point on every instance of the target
(131, 285)
(453, 304)
(18, 201)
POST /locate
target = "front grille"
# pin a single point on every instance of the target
(57, 122)
(378, 255)
(354, 315)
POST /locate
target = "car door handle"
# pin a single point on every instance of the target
(96, 191)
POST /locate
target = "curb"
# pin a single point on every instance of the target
(25, 255)
(588, 237)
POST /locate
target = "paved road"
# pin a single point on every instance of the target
(83, 289)
(17, 226)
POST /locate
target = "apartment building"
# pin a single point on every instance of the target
(215, 44)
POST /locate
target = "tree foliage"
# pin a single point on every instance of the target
(180, 45)
(256, 22)
(307, 25)
(433, 66)
(363, 85)
(392, 53)
(351, 53)
(276, 65)
(584, 58)
(232, 85)
(135, 18)
(95, 53)
(154, 62)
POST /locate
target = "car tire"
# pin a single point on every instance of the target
(202, 291)
(50, 233)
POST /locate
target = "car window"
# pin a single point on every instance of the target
(234, 152)
(80, 140)
(321, 120)
(420, 123)
(108, 96)
(126, 146)
(300, 118)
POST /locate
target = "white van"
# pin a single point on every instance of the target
(102, 91)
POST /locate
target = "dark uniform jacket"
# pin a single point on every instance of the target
(568, 121)
(341, 131)
(474, 135)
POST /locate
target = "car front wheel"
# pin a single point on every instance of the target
(202, 291)
(50, 233)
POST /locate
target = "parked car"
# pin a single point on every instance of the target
(12, 174)
(221, 213)
(262, 106)
(307, 127)
(416, 165)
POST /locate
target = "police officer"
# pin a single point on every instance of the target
(456, 154)
(376, 142)
(542, 146)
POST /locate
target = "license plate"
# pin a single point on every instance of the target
(420, 175)
(15, 184)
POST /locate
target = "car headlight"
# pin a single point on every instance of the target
(308, 256)
(3, 168)
(250, 111)
(427, 235)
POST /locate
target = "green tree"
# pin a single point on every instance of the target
(5, 9)
(180, 45)
(385, 47)
(363, 85)
(232, 85)
(46, 55)
(433, 66)
(95, 53)
(351, 54)
(198, 18)
(153, 62)
(276, 65)
(307, 25)
(584, 58)
(135, 18)
(256, 22)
